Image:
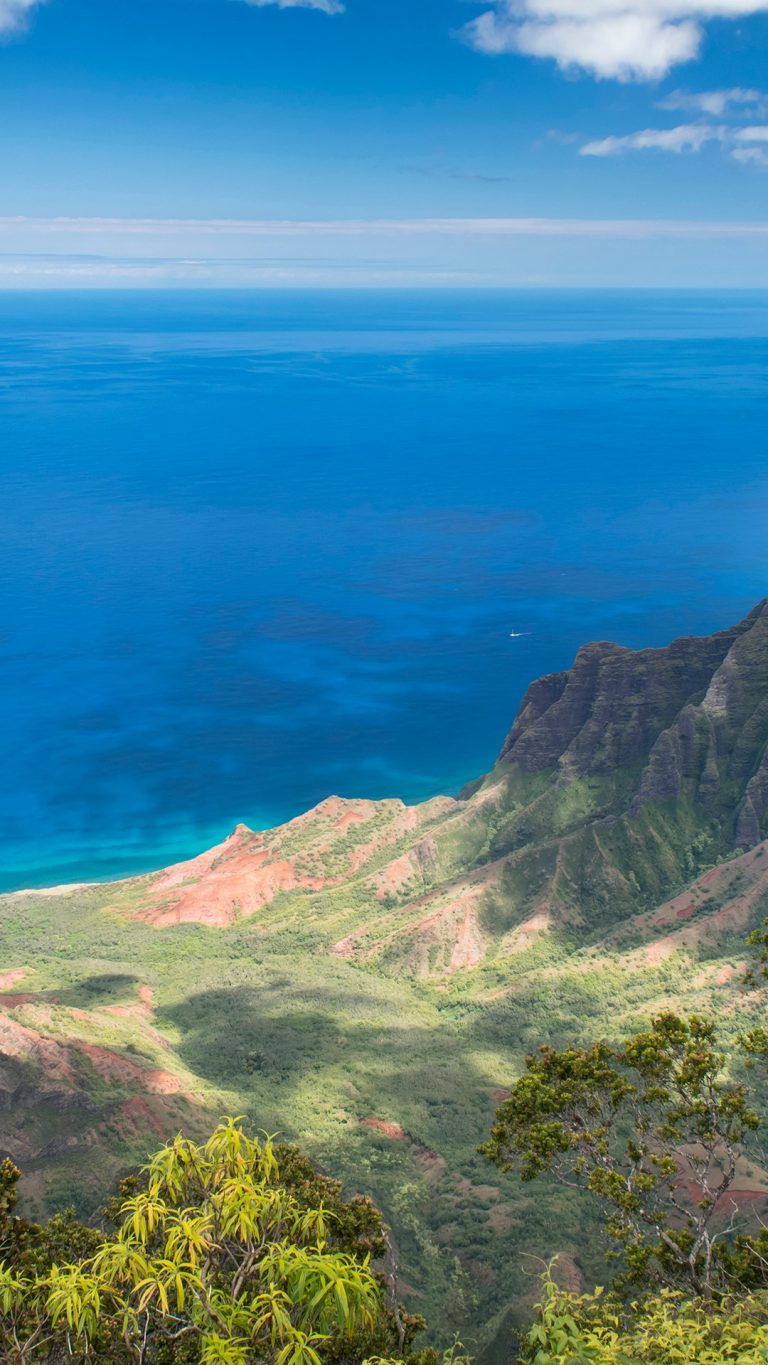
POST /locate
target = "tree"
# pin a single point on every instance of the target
(758, 940)
(654, 1130)
(218, 1258)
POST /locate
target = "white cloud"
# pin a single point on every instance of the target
(625, 40)
(326, 6)
(751, 156)
(14, 14)
(688, 137)
(716, 103)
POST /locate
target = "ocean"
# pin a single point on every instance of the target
(257, 548)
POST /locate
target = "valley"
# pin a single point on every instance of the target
(368, 979)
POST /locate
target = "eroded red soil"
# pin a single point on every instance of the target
(390, 1130)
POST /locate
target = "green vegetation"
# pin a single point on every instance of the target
(376, 977)
(655, 1131)
(257, 1019)
(218, 1258)
(236, 1251)
(313, 1047)
(591, 1329)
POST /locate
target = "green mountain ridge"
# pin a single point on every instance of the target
(368, 979)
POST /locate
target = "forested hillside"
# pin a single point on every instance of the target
(370, 978)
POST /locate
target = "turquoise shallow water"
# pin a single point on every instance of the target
(258, 548)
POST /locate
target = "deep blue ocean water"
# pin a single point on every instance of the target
(258, 548)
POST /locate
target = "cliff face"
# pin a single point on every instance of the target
(693, 717)
(614, 706)
(621, 780)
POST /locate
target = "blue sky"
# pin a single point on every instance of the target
(434, 142)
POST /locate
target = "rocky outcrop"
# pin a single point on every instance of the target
(752, 821)
(611, 708)
(336, 842)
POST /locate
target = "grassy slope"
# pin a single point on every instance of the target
(377, 976)
(263, 1024)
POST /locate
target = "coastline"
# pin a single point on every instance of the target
(125, 862)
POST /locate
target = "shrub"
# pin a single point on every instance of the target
(593, 1329)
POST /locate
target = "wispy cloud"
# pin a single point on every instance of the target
(716, 103)
(15, 13)
(61, 271)
(755, 133)
(326, 6)
(752, 148)
(686, 138)
(751, 156)
(439, 170)
(624, 40)
(377, 253)
(248, 228)
(480, 177)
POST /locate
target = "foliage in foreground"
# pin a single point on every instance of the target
(666, 1329)
(655, 1129)
(218, 1259)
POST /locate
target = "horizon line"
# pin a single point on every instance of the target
(628, 228)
